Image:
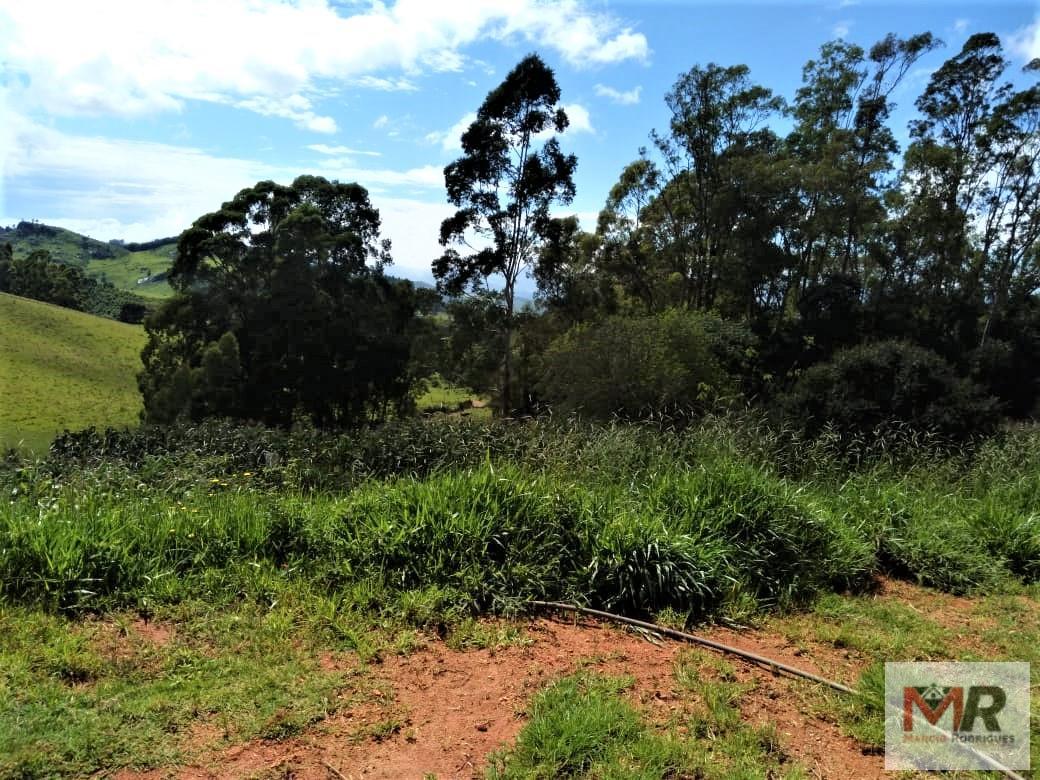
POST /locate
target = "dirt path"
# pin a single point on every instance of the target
(441, 711)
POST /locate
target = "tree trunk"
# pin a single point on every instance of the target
(507, 362)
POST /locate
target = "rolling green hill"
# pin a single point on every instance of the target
(125, 271)
(64, 245)
(115, 263)
(61, 368)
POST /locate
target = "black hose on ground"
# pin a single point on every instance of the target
(760, 660)
(769, 663)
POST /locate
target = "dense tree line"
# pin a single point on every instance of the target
(819, 273)
(140, 246)
(801, 247)
(41, 278)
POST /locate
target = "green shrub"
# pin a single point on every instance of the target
(871, 387)
(782, 547)
(638, 565)
(634, 367)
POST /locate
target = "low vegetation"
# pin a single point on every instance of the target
(695, 521)
(582, 727)
(261, 551)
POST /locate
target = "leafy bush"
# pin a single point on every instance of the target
(634, 367)
(869, 387)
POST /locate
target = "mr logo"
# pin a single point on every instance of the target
(984, 701)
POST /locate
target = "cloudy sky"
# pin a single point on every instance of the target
(130, 118)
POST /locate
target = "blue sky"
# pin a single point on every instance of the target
(130, 118)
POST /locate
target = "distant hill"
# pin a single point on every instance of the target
(142, 272)
(64, 245)
(61, 368)
(122, 265)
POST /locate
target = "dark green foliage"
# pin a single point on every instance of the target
(133, 313)
(140, 246)
(39, 277)
(634, 367)
(815, 240)
(282, 311)
(503, 187)
(886, 384)
(474, 340)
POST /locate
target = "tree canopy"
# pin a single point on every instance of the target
(281, 310)
(511, 172)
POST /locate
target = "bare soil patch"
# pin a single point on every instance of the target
(442, 711)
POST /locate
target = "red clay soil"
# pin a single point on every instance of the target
(440, 711)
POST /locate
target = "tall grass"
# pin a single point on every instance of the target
(627, 518)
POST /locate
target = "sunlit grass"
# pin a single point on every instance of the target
(123, 272)
(63, 369)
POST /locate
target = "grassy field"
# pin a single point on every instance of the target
(63, 369)
(124, 271)
(442, 396)
(65, 246)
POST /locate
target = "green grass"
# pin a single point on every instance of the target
(124, 271)
(581, 726)
(484, 539)
(626, 518)
(65, 246)
(624, 526)
(441, 396)
(63, 369)
(876, 629)
(85, 696)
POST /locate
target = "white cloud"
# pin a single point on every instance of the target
(1026, 42)
(381, 122)
(135, 57)
(841, 29)
(146, 190)
(413, 226)
(295, 107)
(960, 26)
(386, 85)
(444, 61)
(580, 122)
(143, 189)
(451, 139)
(341, 150)
(627, 98)
(372, 178)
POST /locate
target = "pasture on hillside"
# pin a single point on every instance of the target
(125, 271)
(60, 369)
